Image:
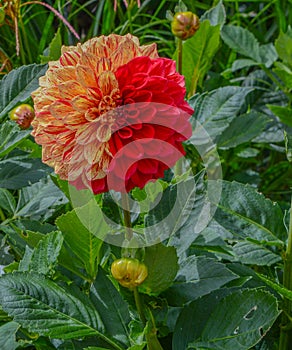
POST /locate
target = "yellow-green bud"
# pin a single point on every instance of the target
(23, 115)
(129, 272)
(184, 25)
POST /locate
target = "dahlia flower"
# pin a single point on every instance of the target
(111, 111)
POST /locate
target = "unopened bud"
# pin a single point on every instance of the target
(184, 25)
(23, 115)
(129, 272)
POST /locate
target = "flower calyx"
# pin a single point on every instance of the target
(129, 272)
(184, 25)
(23, 115)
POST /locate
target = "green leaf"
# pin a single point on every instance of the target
(111, 306)
(7, 336)
(268, 54)
(161, 262)
(82, 240)
(284, 113)
(7, 201)
(198, 276)
(54, 49)
(198, 53)
(216, 15)
(37, 199)
(18, 84)
(243, 63)
(236, 321)
(21, 171)
(242, 41)
(248, 214)
(255, 254)
(284, 73)
(44, 256)
(42, 306)
(10, 137)
(215, 111)
(243, 129)
(288, 145)
(284, 46)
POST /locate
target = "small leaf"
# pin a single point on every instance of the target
(216, 15)
(7, 336)
(18, 84)
(284, 73)
(7, 201)
(255, 254)
(198, 276)
(242, 41)
(243, 63)
(288, 145)
(42, 306)
(162, 265)
(268, 54)
(54, 49)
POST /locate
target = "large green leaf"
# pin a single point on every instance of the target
(18, 84)
(44, 256)
(42, 306)
(82, 240)
(248, 214)
(236, 321)
(215, 111)
(7, 336)
(198, 276)
(111, 306)
(162, 265)
(284, 113)
(10, 136)
(243, 129)
(198, 53)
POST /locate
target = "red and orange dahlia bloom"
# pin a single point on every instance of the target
(110, 109)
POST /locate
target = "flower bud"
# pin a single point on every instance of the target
(23, 115)
(129, 272)
(184, 25)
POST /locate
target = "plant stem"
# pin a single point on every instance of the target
(139, 306)
(127, 216)
(179, 55)
(285, 336)
(178, 165)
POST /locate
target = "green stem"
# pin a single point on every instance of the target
(2, 216)
(285, 337)
(139, 306)
(179, 55)
(178, 166)
(127, 216)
